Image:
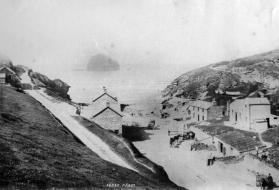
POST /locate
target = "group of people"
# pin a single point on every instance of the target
(78, 110)
(175, 140)
(210, 160)
(265, 182)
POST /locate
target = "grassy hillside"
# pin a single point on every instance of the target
(37, 151)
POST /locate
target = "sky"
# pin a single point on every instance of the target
(152, 34)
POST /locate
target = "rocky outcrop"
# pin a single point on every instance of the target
(243, 75)
(55, 87)
(43, 79)
(101, 62)
(61, 87)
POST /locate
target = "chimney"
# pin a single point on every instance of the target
(228, 108)
(104, 89)
(108, 104)
(214, 103)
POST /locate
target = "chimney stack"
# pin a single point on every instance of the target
(228, 108)
(104, 89)
(108, 104)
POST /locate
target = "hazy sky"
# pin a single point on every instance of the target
(185, 33)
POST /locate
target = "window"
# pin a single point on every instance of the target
(202, 117)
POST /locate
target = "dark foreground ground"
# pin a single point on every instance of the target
(36, 151)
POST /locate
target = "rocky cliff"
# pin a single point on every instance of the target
(243, 76)
(56, 86)
(101, 62)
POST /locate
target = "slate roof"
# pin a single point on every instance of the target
(105, 93)
(201, 104)
(105, 110)
(251, 101)
(239, 141)
(257, 101)
(95, 109)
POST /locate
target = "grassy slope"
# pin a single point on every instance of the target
(37, 151)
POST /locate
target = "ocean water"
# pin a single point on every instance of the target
(129, 86)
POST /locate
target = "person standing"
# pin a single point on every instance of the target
(209, 158)
(270, 181)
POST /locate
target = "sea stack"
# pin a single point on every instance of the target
(101, 62)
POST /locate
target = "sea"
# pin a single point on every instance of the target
(129, 85)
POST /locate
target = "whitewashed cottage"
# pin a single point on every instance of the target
(250, 113)
(105, 111)
(202, 110)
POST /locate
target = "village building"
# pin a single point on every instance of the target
(9, 74)
(226, 141)
(105, 111)
(105, 97)
(202, 111)
(234, 143)
(250, 113)
(109, 119)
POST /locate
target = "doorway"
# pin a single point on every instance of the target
(221, 146)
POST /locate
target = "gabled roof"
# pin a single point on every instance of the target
(1, 68)
(251, 101)
(105, 93)
(105, 110)
(10, 70)
(257, 101)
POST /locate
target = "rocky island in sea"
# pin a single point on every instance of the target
(101, 62)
